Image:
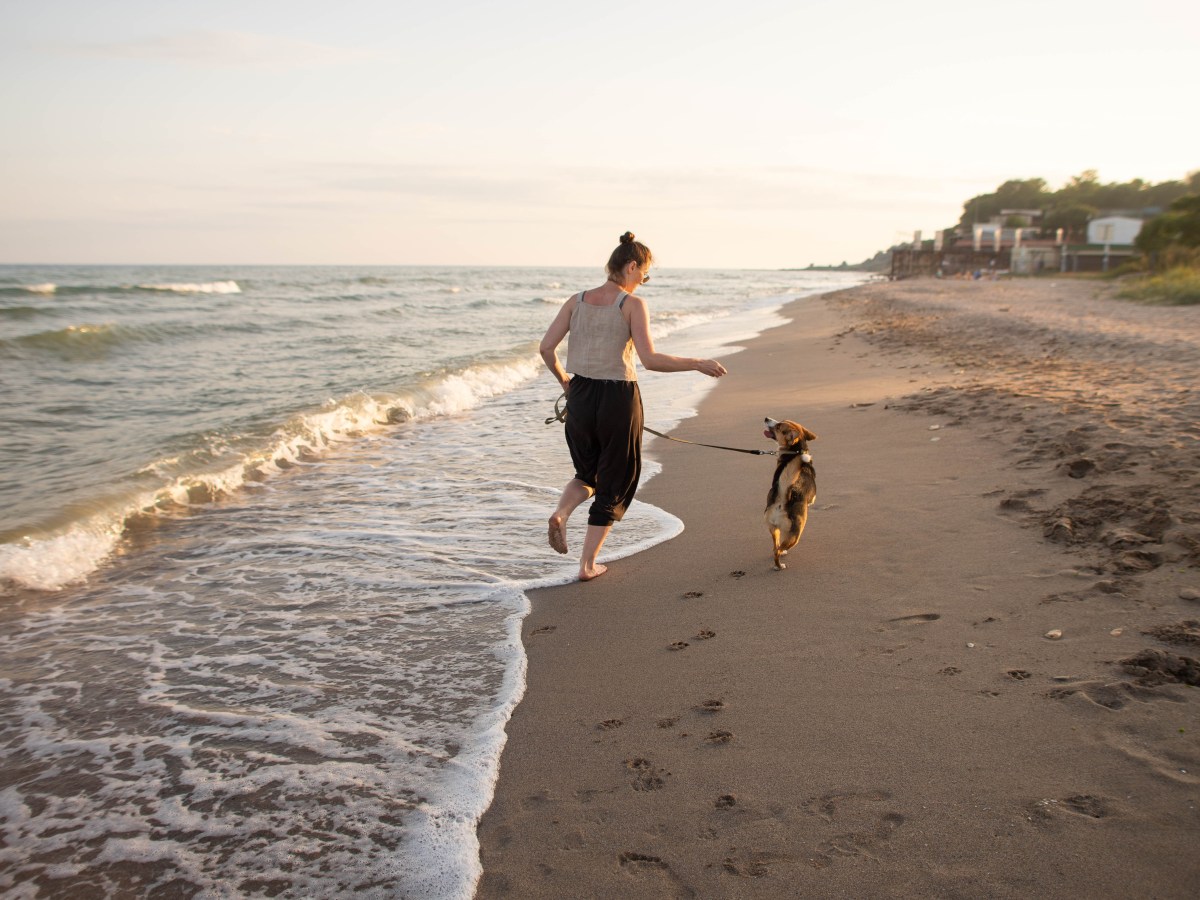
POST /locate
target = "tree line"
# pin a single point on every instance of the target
(1073, 205)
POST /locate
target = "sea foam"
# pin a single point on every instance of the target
(212, 287)
(69, 554)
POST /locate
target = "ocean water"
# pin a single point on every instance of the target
(265, 538)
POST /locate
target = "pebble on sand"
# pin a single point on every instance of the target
(1054, 634)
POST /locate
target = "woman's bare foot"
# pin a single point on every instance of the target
(594, 572)
(557, 533)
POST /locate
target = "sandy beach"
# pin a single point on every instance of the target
(976, 677)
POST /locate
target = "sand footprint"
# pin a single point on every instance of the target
(646, 865)
(912, 621)
(861, 843)
(918, 619)
(1044, 812)
(647, 776)
(1153, 666)
(629, 858)
(752, 863)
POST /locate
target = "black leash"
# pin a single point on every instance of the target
(560, 415)
(715, 446)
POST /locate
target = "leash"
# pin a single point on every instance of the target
(717, 446)
(560, 415)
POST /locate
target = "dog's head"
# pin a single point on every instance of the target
(787, 433)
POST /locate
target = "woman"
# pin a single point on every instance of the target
(604, 406)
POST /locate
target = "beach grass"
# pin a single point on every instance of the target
(1178, 286)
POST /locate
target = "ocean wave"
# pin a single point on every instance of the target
(22, 312)
(211, 287)
(207, 287)
(459, 391)
(75, 342)
(24, 290)
(670, 322)
(91, 341)
(51, 563)
(69, 554)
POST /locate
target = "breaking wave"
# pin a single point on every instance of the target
(183, 287)
(49, 561)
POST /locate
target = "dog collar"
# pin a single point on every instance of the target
(805, 456)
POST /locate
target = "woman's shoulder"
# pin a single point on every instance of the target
(633, 301)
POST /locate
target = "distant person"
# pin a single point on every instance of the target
(604, 404)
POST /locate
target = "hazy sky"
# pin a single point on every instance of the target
(748, 134)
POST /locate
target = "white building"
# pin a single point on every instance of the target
(1117, 231)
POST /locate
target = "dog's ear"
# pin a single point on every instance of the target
(809, 436)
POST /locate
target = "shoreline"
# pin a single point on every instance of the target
(886, 717)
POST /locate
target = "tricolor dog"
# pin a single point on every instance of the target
(793, 487)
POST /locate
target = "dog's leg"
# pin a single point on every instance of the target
(777, 548)
(793, 537)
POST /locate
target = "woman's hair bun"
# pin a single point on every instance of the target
(629, 250)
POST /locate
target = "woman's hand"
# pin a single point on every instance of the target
(711, 368)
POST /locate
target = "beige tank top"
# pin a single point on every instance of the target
(599, 344)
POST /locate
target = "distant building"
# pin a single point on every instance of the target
(1116, 231)
(994, 247)
(1029, 216)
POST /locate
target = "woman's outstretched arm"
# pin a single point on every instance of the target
(639, 328)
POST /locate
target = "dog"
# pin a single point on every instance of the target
(793, 486)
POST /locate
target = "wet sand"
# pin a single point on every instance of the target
(888, 717)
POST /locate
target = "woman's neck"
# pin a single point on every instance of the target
(627, 288)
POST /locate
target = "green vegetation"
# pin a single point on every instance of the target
(1178, 229)
(880, 262)
(1170, 245)
(1080, 199)
(1174, 287)
(1168, 270)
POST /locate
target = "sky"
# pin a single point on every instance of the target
(755, 134)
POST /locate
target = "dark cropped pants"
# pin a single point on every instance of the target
(604, 435)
